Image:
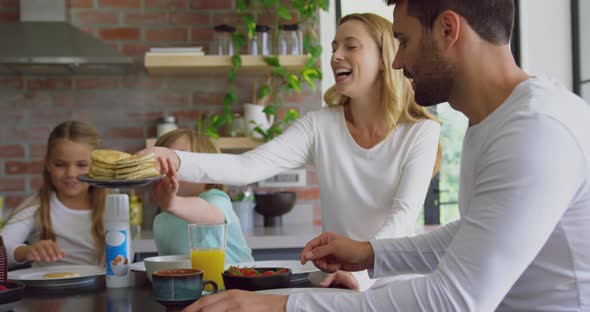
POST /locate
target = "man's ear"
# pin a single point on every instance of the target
(450, 26)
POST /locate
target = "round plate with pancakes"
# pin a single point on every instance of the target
(114, 183)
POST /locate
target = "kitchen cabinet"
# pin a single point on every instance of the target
(224, 143)
(178, 64)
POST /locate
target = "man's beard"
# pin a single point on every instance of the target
(434, 78)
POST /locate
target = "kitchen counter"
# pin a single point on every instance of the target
(286, 236)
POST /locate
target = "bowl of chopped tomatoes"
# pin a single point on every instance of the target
(11, 292)
(254, 278)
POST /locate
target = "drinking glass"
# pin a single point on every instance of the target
(207, 245)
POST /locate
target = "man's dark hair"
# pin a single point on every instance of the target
(492, 20)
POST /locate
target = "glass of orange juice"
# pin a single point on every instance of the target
(207, 244)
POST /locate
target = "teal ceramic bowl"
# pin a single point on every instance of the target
(179, 287)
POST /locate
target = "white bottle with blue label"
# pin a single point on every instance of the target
(117, 241)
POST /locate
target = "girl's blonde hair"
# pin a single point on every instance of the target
(77, 132)
(199, 144)
(397, 93)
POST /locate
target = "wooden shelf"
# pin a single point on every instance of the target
(187, 64)
(224, 144)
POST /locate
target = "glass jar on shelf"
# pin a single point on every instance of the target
(165, 125)
(290, 42)
(260, 42)
(223, 43)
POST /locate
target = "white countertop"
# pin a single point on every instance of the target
(286, 236)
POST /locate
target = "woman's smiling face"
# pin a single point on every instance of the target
(356, 59)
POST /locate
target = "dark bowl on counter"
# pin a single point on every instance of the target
(274, 204)
(253, 283)
(12, 295)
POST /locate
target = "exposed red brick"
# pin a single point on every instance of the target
(307, 194)
(189, 18)
(144, 116)
(214, 99)
(75, 100)
(35, 183)
(167, 35)
(201, 34)
(12, 201)
(15, 83)
(9, 16)
(211, 4)
(12, 184)
(142, 82)
(96, 17)
(29, 100)
(80, 4)
(135, 49)
(166, 4)
(49, 84)
(147, 18)
(97, 116)
(37, 151)
(51, 117)
(225, 18)
(151, 132)
(96, 83)
(121, 4)
(191, 115)
(124, 133)
(28, 134)
(119, 33)
(9, 4)
(12, 151)
(23, 167)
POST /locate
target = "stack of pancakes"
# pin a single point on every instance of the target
(115, 165)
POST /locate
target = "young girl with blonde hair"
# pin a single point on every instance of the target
(185, 202)
(63, 221)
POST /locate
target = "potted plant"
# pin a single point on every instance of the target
(279, 80)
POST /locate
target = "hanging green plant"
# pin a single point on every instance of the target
(280, 80)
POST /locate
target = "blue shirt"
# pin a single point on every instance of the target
(171, 232)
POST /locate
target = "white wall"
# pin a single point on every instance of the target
(546, 39)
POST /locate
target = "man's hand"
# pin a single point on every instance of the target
(340, 279)
(331, 252)
(45, 251)
(162, 153)
(164, 191)
(239, 300)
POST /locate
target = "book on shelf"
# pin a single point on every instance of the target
(177, 50)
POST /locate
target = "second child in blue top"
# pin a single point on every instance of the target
(184, 203)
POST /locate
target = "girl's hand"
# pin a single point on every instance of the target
(45, 251)
(165, 190)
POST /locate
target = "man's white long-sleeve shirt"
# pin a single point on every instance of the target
(523, 240)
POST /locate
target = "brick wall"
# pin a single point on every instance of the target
(123, 108)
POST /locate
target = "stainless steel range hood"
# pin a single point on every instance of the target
(43, 43)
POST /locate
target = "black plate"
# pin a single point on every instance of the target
(118, 183)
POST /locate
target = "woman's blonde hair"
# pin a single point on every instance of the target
(199, 144)
(397, 93)
(77, 132)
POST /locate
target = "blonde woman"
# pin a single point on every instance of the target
(374, 149)
(62, 222)
(185, 202)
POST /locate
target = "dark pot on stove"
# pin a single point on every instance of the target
(273, 205)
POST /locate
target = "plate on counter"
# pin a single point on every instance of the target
(118, 183)
(299, 272)
(137, 266)
(58, 276)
